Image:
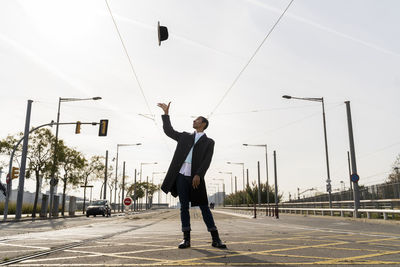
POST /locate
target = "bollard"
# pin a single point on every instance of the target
(276, 212)
(43, 209)
(255, 211)
(72, 206)
(55, 206)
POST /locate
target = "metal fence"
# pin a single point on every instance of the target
(372, 192)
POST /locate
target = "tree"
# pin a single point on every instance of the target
(39, 158)
(92, 169)
(7, 146)
(71, 162)
(394, 176)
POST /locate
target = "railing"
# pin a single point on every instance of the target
(294, 208)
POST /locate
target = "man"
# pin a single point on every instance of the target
(185, 176)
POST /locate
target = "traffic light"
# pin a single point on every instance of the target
(14, 172)
(103, 127)
(78, 127)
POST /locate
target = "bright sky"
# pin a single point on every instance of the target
(338, 49)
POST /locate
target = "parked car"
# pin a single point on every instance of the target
(99, 207)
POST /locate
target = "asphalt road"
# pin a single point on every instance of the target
(151, 238)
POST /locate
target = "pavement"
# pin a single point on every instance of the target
(151, 239)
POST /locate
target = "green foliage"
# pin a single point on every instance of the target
(394, 176)
(27, 208)
(250, 196)
(141, 188)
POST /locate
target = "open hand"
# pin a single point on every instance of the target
(164, 107)
(196, 181)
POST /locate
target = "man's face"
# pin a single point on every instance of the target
(198, 124)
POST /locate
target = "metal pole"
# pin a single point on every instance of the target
(348, 161)
(231, 183)
(123, 186)
(356, 192)
(259, 184)
(266, 169)
(223, 194)
(53, 179)
(140, 174)
(247, 174)
(328, 181)
(147, 187)
(105, 177)
(244, 187)
(134, 193)
(276, 187)
(235, 184)
(116, 179)
(23, 162)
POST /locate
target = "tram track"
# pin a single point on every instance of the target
(83, 242)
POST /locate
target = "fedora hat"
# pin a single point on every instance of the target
(162, 33)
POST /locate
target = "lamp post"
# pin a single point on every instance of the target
(266, 167)
(140, 177)
(216, 194)
(231, 179)
(320, 99)
(223, 190)
(152, 181)
(53, 179)
(239, 163)
(116, 171)
(144, 163)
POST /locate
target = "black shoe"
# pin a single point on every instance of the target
(184, 244)
(186, 240)
(216, 242)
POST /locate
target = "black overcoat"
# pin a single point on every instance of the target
(202, 154)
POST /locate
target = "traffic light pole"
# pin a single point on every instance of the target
(9, 183)
(23, 162)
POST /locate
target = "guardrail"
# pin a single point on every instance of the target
(315, 211)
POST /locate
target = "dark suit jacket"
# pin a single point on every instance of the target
(202, 155)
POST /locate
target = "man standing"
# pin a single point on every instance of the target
(185, 176)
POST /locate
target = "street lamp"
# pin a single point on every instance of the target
(266, 167)
(140, 177)
(53, 179)
(231, 179)
(238, 163)
(116, 170)
(144, 163)
(223, 189)
(152, 181)
(320, 99)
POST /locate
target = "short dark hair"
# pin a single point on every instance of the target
(205, 121)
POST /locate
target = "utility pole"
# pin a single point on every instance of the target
(134, 193)
(276, 188)
(348, 161)
(123, 187)
(354, 174)
(259, 184)
(23, 162)
(247, 174)
(105, 177)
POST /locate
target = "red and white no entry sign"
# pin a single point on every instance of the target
(128, 201)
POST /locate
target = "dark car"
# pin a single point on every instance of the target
(99, 207)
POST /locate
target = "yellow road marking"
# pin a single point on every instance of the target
(180, 262)
(347, 259)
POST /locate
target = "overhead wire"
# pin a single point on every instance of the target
(251, 58)
(133, 71)
(129, 58)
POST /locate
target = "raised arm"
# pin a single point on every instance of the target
(168, 130)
